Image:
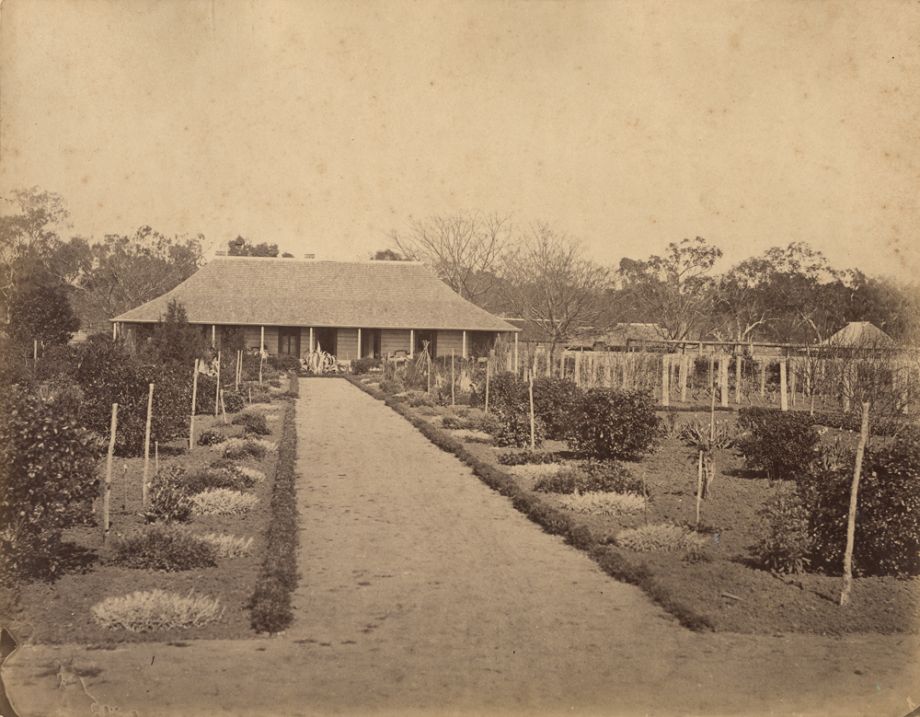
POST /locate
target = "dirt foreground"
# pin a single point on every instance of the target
(422, 591)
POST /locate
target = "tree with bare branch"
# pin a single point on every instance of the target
(464, 249)
(549, 282)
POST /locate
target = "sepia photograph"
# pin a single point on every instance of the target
(459, 357)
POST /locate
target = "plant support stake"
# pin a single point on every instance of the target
(147, 446)
(851, 517)
(107, 494)
(191, 425)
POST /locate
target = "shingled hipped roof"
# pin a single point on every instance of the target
(292, 292)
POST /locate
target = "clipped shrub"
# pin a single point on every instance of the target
(514, 430)
(555, 401)
(592, 476)
(452, 423)
(392, 385)
(211, 437)
(782, 444)
(614, 424)
(228, 546)
(598, 503)
(158, 547)
(233, 402)
(168, 499)
(47, 481)
(364, 365)
(508, 394)
(251, 475)
(152, 610)
(659, 538)
(253, 423)
(222, 501)
(488, 423)
(527, 456)
(888, 510)
(785, 542)
(420, 399)
(283, 362)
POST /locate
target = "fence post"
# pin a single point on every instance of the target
(783, 398)
(684, 370)
(578, 368)
(723, 376)
(793, 380)
(147, 446)
(763, 378)
(665, 380)
(107, 494)
(851, 515)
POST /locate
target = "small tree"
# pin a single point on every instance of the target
(47, 481)
(174, 339)
(42, 313)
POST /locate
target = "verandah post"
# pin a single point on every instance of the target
(488, 372)
(452, 401)
(147, 446)
(464, 351)
(411, 343)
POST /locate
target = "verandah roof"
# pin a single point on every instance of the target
(292, 292)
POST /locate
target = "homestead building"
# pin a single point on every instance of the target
(348, 309)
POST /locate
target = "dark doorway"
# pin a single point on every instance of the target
(289, 341)
(324, 338)
(370, 343)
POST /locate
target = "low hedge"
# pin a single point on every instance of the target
(270, 604)
(552, 520)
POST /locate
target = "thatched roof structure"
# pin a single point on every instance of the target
(860, 335)
(291, 292)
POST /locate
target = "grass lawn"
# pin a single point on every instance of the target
(59, 611)
(725, 587)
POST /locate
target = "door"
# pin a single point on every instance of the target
(289, 341)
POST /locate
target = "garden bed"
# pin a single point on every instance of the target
(721, 590)
(61, 610)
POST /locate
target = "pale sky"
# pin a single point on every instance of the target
(322, 126)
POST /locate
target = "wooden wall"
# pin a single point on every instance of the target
(393, 340)
(448, 340)
(346, 344)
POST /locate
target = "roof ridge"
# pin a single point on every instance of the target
(294, 259)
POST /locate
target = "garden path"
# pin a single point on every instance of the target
(424, 591)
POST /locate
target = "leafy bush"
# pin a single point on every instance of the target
(888, 511)
(364, 365)
(488, 423)
(252, 423)
(233, 402)
(228, 546)
(555, 401)
(211, 437)
(283, 362)
(614, 424)
(392, 385)
(47, 480)
(160, 548)
(527, 456)
(514, 430)
(659, 538)
(222, 501)
(603, 503)
(780, 443)
(168, 499)
(695, 433)
(508, 394)
(785, 543)
(592, 476)
(452, 423)
(151, 610)
(420, 399)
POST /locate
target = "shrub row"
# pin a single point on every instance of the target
(552, 520)
(270, 605)
(591, 477)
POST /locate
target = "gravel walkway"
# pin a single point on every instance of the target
(424, 591)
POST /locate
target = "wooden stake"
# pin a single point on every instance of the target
(851, 517)
(147, 446)
(107, 489)
(488, 372)
(156, 458)
(124, 487)
(428, 368)
(191, 426)
(223, 408)
(684, 370)
(35, 352)
(699, 487)
(739, 376)
(665, 380)
(217, 388)
(261, 356)
(533, 420)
